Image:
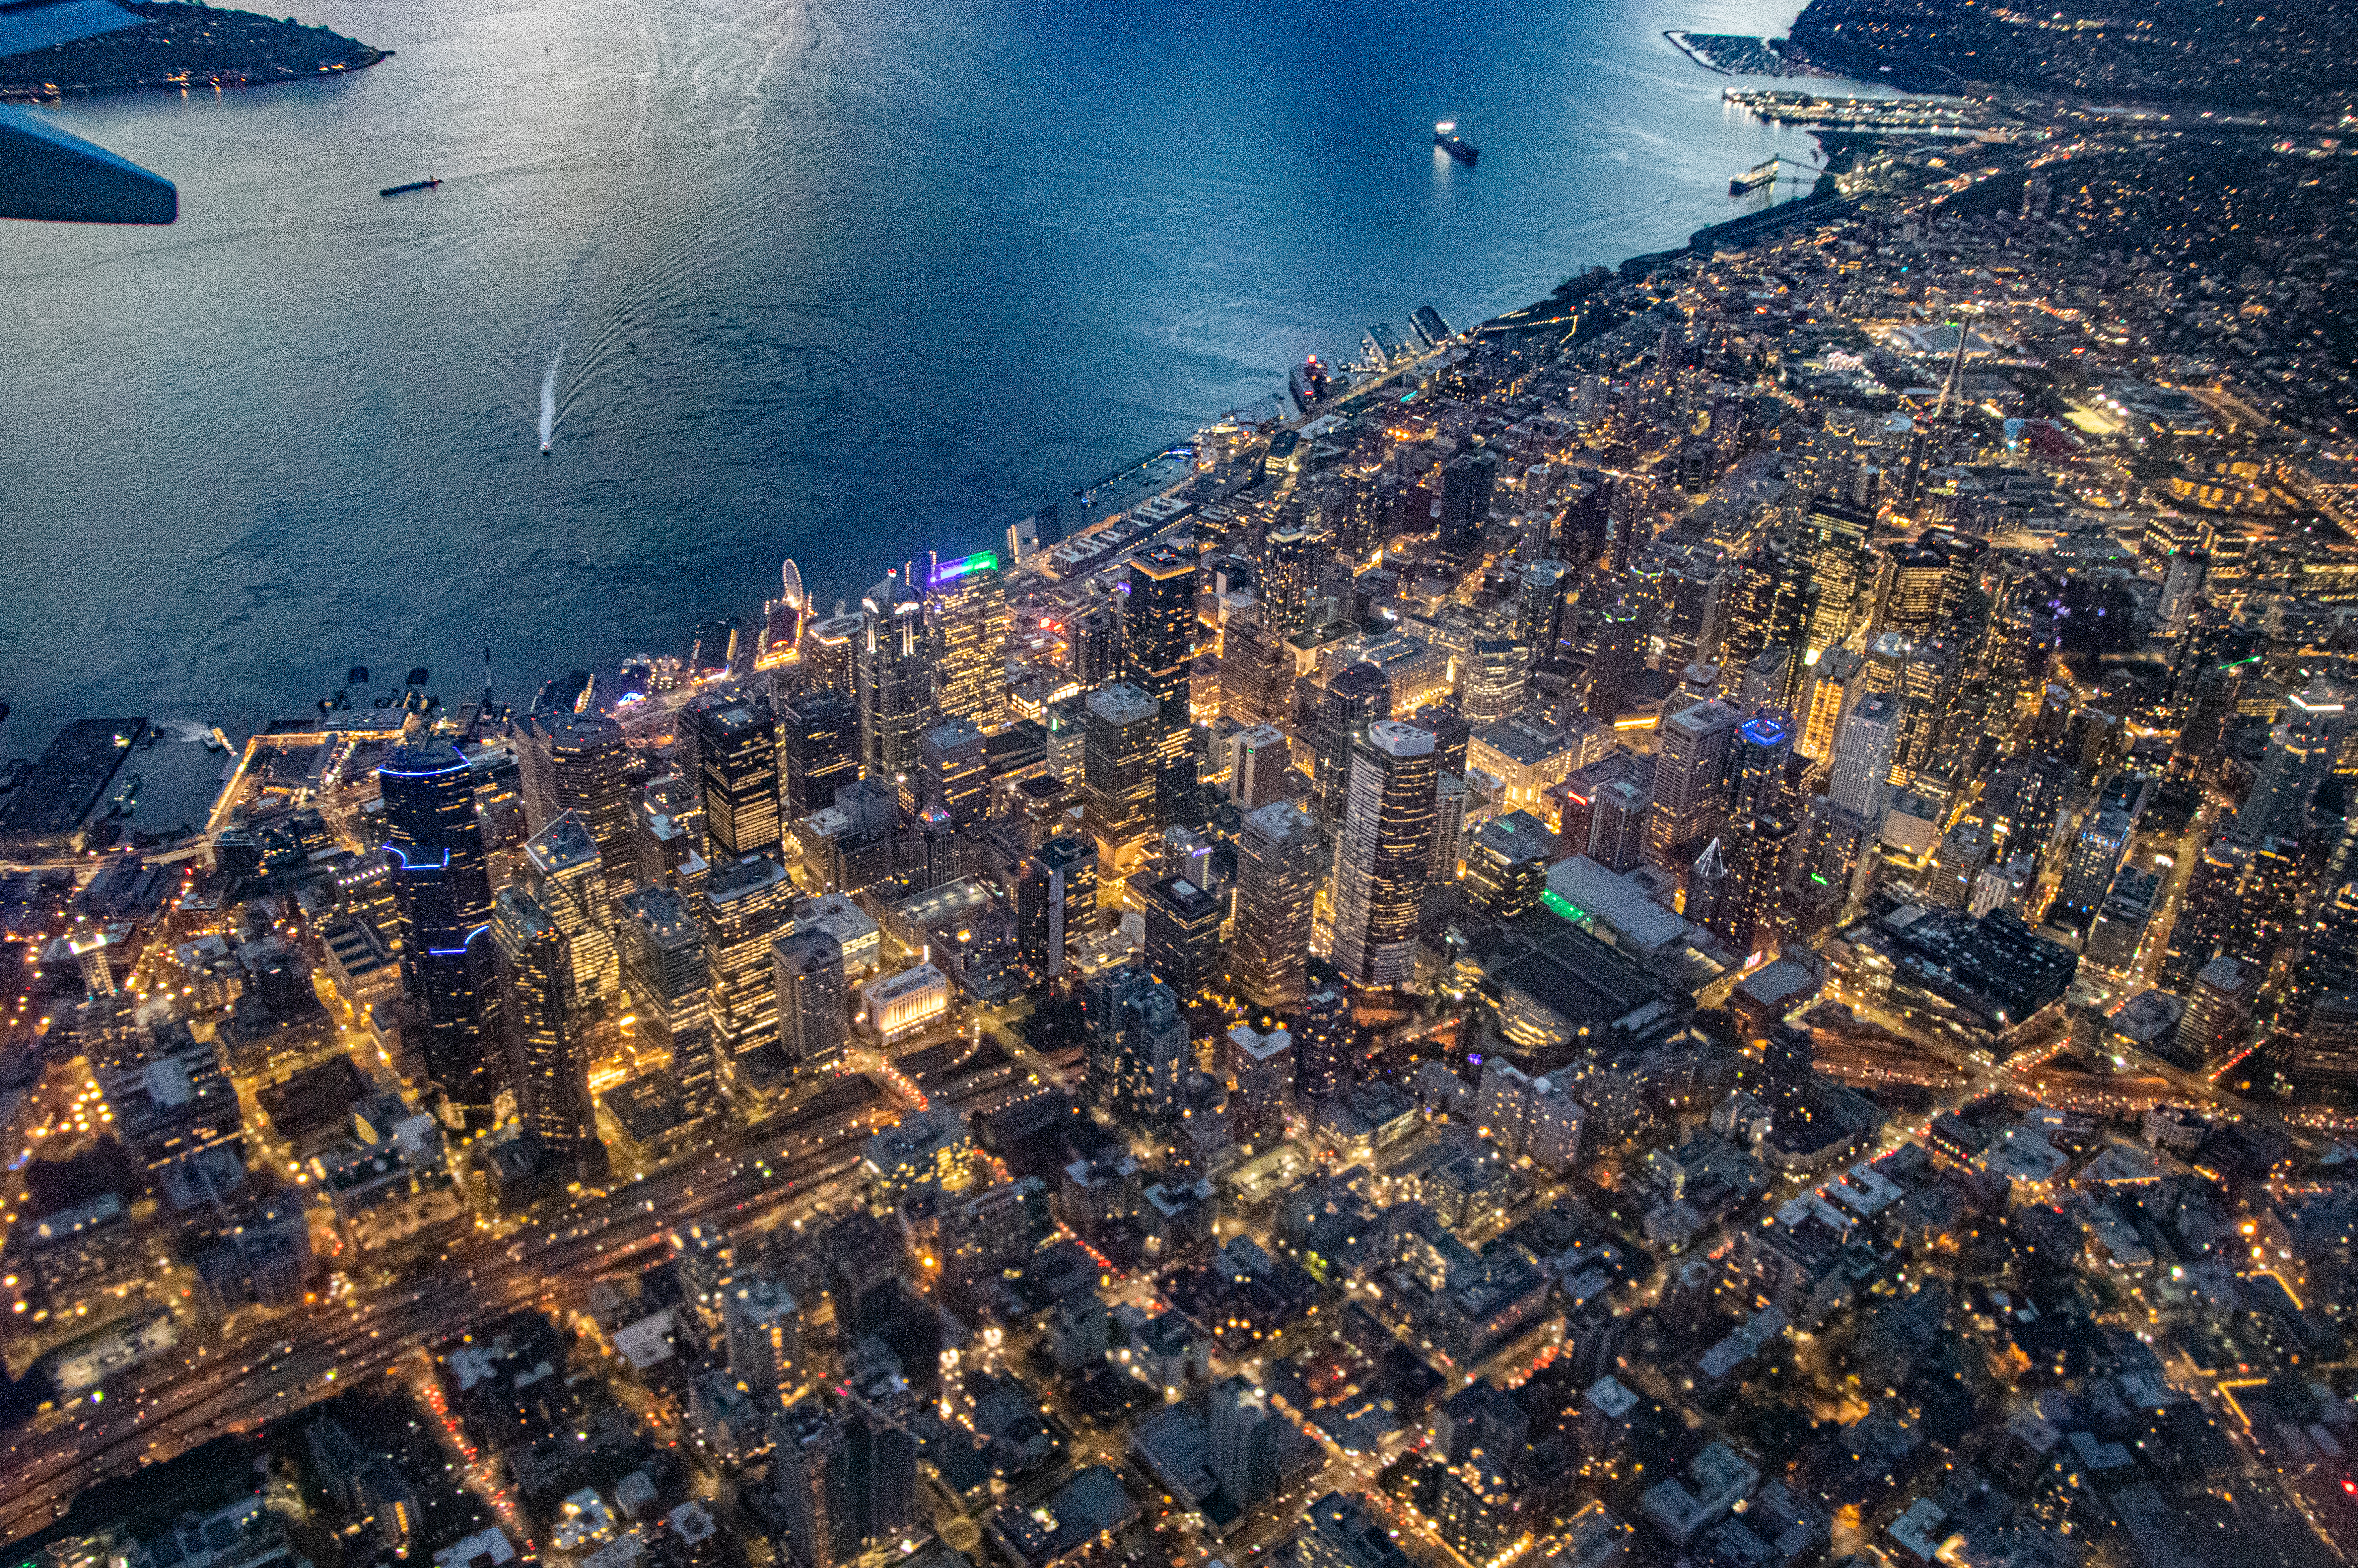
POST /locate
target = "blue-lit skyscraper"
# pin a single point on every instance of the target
(444, 895)
(1763, 753)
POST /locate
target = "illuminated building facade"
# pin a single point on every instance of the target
(577, 763)
(1158, 637)
(954, 772)
(547, 1056)
(829, 649)
(566, 876)
(1384, 858)
(1055, 903)
(813, 999)
(1137, 1048)
(966, 627)
(736, 739)
(741, 908)
(1277, 883)
(819, 748)
(1121, 739)
(1690, 777)
(444, 893)
(895, 681)
(668, 987)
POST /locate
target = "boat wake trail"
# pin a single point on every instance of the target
(548, 396)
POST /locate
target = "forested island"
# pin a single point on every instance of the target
(183, 46)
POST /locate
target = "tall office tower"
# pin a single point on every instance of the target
(1965, 850)
(954, 771)
(844, 1483)
(1257, 766)
(1158, 637)
(444, 893)
(1384, 858)
(1287, 567)
(1255, 671)
(1055, 903)
(965, 624)
(1450, 796)
(1241, 1442)
(1093, 646)
(894, 680)
(1539, 604)
(1491, 679)
(1358, 528)
(1758, 762)
(1356, 695)
(1690, 777)
(761, 1325)
(818, 750)
(663, 974)
(563, 871)
(814, 1002)
(1756, 849)
(1915, 580)
(1277, 883)
(1832, 682)
(742, 907)
(831, 647)
(736, 739)
(2302, 748)
(1965, 575)
(2209, 910)
(1326, 1040)
(1466, 481)
(1834, 544)
(1137, 1045)
(1120, 757)
(577, 763)
(1860, 781)
(1452, 736)
(2218, 1007)
(1622, 816)
(1619, 637)
(2096, 854)
(2273, 890)
(1507, 865)
(1183, 934)
(547, 1058)
(1767, 608)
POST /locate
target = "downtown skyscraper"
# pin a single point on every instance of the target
(1384, 859)
(736, 739)
(894, 681)
(1277, 883)
(1158, 635)
(966, 629)
(577, 763)
(548, 1056)
(443, 891)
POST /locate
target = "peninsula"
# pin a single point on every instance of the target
(182, 46)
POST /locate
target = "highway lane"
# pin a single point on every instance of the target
(251, 1380)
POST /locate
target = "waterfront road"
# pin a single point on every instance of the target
(279, 1366)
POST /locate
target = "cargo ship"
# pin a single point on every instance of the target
(1446, 137)
(413, 185)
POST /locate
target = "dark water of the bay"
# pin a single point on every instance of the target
(844, 281)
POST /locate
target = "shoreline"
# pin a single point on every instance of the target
(179, 46)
